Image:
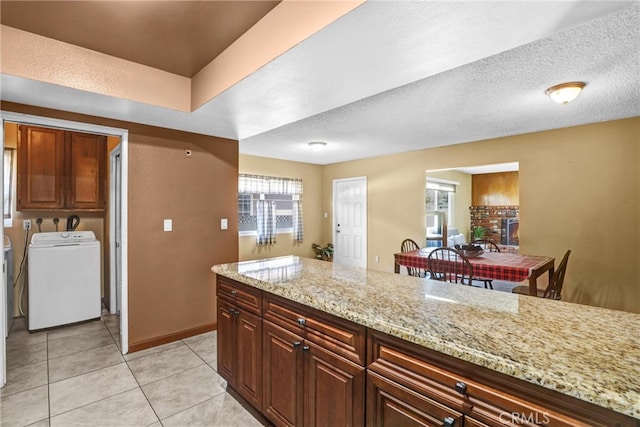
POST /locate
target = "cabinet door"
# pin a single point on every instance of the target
(390, 404)
(40, 168)
(249, 357)
(334, 389)
(86, 184)
(283, 376)
(226, 349)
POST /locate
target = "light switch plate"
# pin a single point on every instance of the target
(224, 224)
(168, 225)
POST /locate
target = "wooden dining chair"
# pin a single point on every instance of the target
(554, 288)
(409, 245)
(449, 265)
(488, 246)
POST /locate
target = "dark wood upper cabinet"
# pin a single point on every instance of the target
(495, 189)
(61, 170)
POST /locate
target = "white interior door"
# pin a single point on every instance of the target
(350, 221)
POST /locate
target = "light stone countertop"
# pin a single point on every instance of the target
(586, 352)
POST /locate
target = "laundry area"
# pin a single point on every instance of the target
(63, 278)
(55, 279)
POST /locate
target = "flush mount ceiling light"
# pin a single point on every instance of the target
(564, 93)
(317, 145)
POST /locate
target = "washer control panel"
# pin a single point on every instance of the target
(56, 237)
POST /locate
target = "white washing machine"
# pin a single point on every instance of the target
(64, 278)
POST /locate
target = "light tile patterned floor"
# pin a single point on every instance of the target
(75, 375)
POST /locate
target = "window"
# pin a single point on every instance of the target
(268, 206)
(439, 197)
(8, 177)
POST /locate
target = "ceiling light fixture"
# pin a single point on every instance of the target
(317, 145)
(564, 93)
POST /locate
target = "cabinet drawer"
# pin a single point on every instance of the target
(391, 404)
(338, 335)
(243, 296)
(395, 360)
(486, 396)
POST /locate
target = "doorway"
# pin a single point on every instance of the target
(122, 134)
(350, 221)
(486, 204)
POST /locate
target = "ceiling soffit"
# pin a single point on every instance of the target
(180, 37)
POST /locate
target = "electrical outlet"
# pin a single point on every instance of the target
(26, 224)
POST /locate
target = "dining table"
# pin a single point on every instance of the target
(493, 265)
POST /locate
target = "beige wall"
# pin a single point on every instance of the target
(311, 206)
(462, 198)
(579, 190)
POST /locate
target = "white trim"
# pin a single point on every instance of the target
(124, 144)
(112, 229)
(254, 233)
(442, 181)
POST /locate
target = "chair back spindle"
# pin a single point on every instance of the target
(450, 265)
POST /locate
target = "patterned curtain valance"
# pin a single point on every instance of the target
(256, 184)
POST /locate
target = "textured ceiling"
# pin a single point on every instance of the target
(398, 76)
(176, 36)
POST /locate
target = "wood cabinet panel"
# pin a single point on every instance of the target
(249, 299)
(334, 389)
(61, 170)
(87, 184)
(495, 189)
(41, 161)
(226, 342)
(340, 336)
(390, 404)
(249, 347)
(283, 376)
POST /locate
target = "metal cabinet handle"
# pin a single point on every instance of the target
(234, 292)
(461, 387)
(305, 348)
(448, 422)
(301, 321)
(297, 344)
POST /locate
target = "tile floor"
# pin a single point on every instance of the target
(75, 375)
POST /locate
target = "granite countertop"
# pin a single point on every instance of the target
(586, 352)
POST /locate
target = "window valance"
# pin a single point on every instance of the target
(257, 184)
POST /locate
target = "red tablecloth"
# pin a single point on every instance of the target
(492, 265)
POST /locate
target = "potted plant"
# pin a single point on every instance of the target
(325, 252)
(477, 233)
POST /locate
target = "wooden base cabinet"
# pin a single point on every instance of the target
(283, 376)
(409, 385)
(334, 389)
(240, 348)
(308, 385)
(302, 367)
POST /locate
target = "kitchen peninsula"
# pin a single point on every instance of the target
(303, 339)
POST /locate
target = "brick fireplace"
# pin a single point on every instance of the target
(501, 223)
